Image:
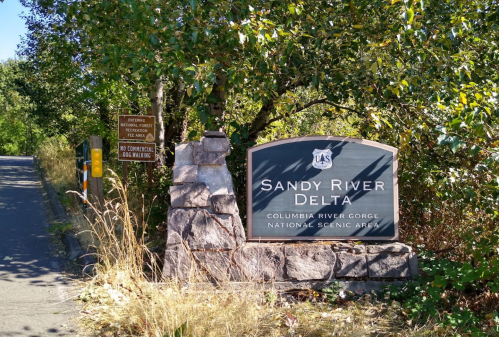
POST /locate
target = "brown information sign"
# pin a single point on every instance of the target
(132, 127)
(128, 151)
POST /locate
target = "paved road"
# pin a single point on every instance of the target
(34, 294)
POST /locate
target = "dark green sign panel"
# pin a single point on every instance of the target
(321, 187)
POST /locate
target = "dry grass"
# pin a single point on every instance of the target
(122, 301)
(113, 310)
(128, 296)
(57, 159)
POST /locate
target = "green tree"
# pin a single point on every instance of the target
(19, 134)
(419, 75)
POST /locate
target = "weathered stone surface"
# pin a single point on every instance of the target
(177, 263)
(413, 265)
(191, 195)
(207, 158)
(235, 274)
(225, 220)
(239, 232)
(218, 179)
(358, 249)
(202, 230)
(388, 265)
(309, 262)
(216, 264)
(179, 225)
(260, 263)
(216, 145)
(224, 204)
(395, 247)
(185, 174)
(351, 265)
(214, 134)
(349, 247)
(184, 154)
(341, 247)
(210, 232)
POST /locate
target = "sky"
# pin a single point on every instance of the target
(11, 28)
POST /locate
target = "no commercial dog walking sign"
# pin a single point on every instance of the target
(322, 187)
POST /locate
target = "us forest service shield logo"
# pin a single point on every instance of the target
(322, 159)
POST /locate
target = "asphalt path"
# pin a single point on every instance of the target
(35, 296)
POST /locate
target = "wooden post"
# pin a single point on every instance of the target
(149, 165)
(125, 163)
(96, 190)
(157, 110)
(149, 175)
(125, 173)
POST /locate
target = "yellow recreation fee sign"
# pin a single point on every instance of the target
(134, 127)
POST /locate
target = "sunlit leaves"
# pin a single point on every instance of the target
(412, 65)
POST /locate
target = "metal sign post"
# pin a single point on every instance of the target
(81, 171)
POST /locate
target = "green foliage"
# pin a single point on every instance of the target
(179, 332)
(445, 288)
(332, 292)
(19, 135)
(271, 297)
(60, 228)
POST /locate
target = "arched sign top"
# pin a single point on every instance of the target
(322, 188)
(365, 142)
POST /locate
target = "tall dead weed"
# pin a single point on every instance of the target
(129, 297)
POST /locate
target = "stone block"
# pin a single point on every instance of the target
(309, 262)
(413, 265)
(185, 174)
(191, 195)
(218, 179)
(341, 247)
(216, 264)
(214, 134)
(210, 232)
(216, 145)
(224, 204)
(260, 263)
(349, 247)
(225, 220)
(239, 232)
(179, 225)
(357, 249)
(177, 263)
(395, 247)
(207, 158)
(388, 265)
(184, 154)
(351, 265)
(202, 230)
(235, 273)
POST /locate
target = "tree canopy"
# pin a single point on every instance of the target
(419, 75)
